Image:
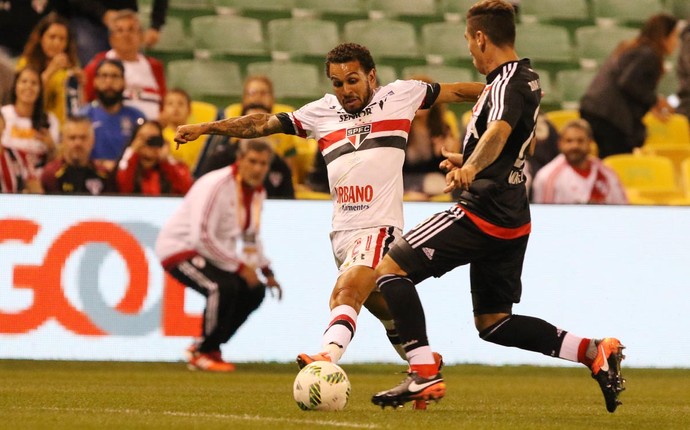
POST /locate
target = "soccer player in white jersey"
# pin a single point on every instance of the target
(362, 132)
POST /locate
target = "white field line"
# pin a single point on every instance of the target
(243, 417)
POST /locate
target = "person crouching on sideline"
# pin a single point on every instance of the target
(212, 245)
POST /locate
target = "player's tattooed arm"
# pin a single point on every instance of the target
(246, 127)
(487, 151)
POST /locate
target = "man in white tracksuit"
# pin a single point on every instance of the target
(211, 244)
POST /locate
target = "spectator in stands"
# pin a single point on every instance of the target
(430, 132)
(146, 168)
(6, 78)
(53, 52)
(575, 176)
(144, 75)
(90, 21)
(625, 88)
(113, 122)
(258, 90)
(18, 18)
(73, 172)
(222, 152)
(177, 110)
(683, 72)
(17, 174)
(28, 127)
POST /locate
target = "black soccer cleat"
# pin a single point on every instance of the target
(414, 387)
(606, 369)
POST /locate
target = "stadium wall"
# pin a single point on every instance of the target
(79, 281)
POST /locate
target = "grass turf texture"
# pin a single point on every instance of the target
(97, 395)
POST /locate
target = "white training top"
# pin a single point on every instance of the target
(365, 151)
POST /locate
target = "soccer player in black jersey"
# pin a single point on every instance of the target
(488, 228)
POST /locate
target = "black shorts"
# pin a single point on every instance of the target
(448, 240)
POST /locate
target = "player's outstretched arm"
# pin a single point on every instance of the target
(246, 127)
(459, 92)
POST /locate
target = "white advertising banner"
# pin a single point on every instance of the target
(79, 280)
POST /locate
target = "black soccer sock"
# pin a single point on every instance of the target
(403, 302)
(532, 334)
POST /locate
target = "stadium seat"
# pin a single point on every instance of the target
(455, 10)
(228, 37)
(440, 73)
(416, 12)
(669, 84)
(633, 12)
(174, 43)
(216, 82)
(391, 42)
(263, 10)
(676, 130)
(679, 8)
(293, 83)
(572, 85)
(303, 40)
(444, 43)
(189, 9)
(203, 112)
(551, 97)
(556, 11)
(594, 44)
(548, 46)
(560, 118)
(385, 75)
(340, 12)
(649, 176)
(674, 152)
(685, 176)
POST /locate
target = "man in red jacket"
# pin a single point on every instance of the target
(144, 75)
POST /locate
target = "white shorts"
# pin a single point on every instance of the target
(364, 247)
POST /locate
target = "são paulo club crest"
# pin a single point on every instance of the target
(356, 135)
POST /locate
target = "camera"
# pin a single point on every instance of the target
(156, 141)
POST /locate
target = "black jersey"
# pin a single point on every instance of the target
(498, 193)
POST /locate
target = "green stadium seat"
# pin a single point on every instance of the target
(594, 44)
(416, 12)
(554, 11)
(228, 37)
(216, 82)
(293, 83)
(455, 10)
(174, 43)
(633, 12)
(189, 9)
(548, 46)
(444, 43)
(679, 8)
(390, 42)
(262, 10)
(572, 85)
(551, 98)
(340, 11)
(668, 85)
(440, 73)
(384, 74)
(302, 40)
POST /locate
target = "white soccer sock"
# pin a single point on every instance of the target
(569, 347)
(421, 355)
(340, 331)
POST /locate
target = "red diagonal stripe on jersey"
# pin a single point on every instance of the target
(376, 127)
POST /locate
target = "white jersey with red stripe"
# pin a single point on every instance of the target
(365, 151)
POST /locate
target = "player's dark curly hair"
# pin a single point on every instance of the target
(346, 52)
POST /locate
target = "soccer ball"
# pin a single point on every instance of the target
(321, 386)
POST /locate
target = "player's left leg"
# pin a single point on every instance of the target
(496, 286)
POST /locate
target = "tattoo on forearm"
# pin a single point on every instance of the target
(487, 151)
(247, 127)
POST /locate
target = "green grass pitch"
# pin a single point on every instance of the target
(115, 395)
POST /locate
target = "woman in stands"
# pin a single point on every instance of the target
(52, 51)
(28, 127)
(625, 88)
